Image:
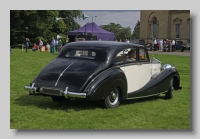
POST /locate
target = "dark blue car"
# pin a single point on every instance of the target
(180, 46)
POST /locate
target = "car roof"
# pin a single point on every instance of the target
(111, 47)
(102, 44)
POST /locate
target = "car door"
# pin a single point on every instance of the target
(144, 67)
(131, 69)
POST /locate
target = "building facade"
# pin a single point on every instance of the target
(165, 24)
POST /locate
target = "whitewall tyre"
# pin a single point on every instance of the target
(113, 99)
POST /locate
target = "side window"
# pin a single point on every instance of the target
(130, 55)
(127, 55)
(119, 57)
(143, 54)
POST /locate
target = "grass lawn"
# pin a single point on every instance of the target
(38, 112)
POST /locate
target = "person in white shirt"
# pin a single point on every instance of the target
(40, 45)
(155, 45)
(173, 46)
(161, 45)
(127, 41)
(48, 47)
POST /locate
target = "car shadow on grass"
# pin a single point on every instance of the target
(45, 102)
(76, 105)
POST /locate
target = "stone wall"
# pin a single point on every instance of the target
(166, 20)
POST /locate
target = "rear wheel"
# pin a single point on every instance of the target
(169, 93)
(113, 99)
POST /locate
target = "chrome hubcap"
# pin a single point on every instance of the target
(114, 96)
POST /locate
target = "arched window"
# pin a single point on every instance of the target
(154, 30)
(177, 22)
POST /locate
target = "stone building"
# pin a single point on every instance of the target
(165, 24)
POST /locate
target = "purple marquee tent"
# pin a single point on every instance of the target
(95, 30)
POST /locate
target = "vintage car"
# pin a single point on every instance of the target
(104, 70)
(181, 46)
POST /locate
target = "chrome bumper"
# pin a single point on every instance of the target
(73, 94)
(31, 89)
(55, 92)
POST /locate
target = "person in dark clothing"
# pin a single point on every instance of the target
(168, 45)
(27, 44)
(59, 45)
(52, 47)
(35, 47)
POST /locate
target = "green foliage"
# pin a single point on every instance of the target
(36, 24)
(119, 31)
(38, 112)
(136, 31)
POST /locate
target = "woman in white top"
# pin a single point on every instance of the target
(48, 47)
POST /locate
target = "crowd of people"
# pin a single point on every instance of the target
(162, 44)
(54, 46)
(168, 45)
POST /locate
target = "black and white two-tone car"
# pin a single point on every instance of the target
(104, 70)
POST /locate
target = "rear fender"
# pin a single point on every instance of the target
(102, 85)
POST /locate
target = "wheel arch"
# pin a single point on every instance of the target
(121, 87)
(176, 82)
(105, 82)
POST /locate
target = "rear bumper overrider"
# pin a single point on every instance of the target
(53, 92)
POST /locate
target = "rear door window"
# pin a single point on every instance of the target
(143, 56)
(126, 55)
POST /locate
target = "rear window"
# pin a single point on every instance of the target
(88, 54)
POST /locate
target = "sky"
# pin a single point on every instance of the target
(126, 18)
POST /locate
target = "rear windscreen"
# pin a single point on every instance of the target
(81, 54)
(89, 54)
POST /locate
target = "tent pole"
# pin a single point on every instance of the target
(77, 33)
(92, 26)
(85, 31)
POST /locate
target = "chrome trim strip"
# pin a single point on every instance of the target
(146, 96)
(62, 73)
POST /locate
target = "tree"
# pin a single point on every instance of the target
(136, 31)
(125, 33)
(36, 24)
(119, 31)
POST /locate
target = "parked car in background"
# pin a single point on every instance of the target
(149, 46)
(187, 46)
(106, 71)
(165, 48)
(138, 41)
(179, 45)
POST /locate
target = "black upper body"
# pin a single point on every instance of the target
(77, 72)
